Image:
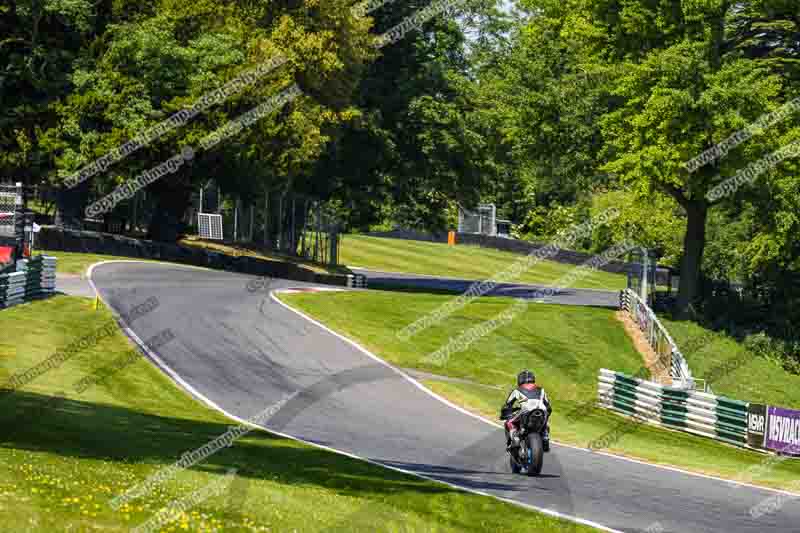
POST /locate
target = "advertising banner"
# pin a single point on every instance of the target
(756, 425)
(783, 430)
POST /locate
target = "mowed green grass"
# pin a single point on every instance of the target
(76, 263)
(565, 346)
(64, 455)
(733, 371)
(460, 261)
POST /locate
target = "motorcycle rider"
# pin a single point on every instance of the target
(526, 389)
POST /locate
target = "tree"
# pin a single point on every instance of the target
(541, 109)
(681, 80)
(414, 150)
(145, 69)
(39, 40)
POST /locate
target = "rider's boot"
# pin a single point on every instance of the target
(546, 439)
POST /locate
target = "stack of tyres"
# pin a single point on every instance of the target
(12, 289)
(35, 278)
(40, 276)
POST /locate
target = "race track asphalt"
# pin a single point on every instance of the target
(74, 285)
(538, 293)
(244, 351)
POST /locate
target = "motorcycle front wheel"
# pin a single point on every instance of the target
(535, 454)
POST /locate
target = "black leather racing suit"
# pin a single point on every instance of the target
(521, 394)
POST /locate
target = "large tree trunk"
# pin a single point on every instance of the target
(694, 243)
(70, 205)
(172, 199)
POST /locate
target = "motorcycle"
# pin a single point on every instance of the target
(529, 455)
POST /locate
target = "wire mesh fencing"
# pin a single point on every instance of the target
(291, 224)
(288, 223)
(10, 199)
(483, 220)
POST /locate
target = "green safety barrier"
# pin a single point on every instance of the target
(716, 417)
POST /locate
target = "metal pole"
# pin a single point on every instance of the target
(252, 222)
(323, 241)
(19, 222)
(316, 232)
(235, 219)
(266, 219)
(294, 227)
(201, 200)
(305, 226)
(324, 235)
(645, 268)
(135, 217)
(280, 222)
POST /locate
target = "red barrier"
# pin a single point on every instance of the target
(6, 253)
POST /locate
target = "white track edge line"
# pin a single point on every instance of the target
(210, 403)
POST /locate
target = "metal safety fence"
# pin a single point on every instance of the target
(12, 225)
(658, 338)
(10, 200)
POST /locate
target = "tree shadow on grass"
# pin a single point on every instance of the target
(84, 430)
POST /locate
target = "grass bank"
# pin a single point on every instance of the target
(237, 250)
(75, 263)
(733, 371)
(565, 346)
(466, 262)
(65, 455)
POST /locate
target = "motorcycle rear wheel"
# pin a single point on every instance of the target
(535, 454)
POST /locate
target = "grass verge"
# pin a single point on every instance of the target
(733, 371)
(255, 251)
(76, 263)
(64, 455)
(461, 261)
(565, 346)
